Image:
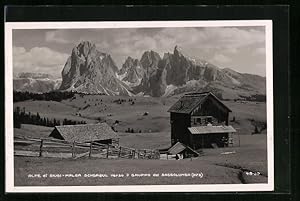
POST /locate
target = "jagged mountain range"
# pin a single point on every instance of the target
(90, 71)
(177, 73)
(35, 82)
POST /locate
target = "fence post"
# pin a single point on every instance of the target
(73, 150)
(91, 147)
(239, 140)
(119, 152)
(107, 150)
(41, 148)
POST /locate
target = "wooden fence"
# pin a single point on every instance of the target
(63, 149)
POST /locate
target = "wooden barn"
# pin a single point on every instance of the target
(101, 133)
(200, 120)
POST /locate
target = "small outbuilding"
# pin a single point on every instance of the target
(101, 133)
(182, 151)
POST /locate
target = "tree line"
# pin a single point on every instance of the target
(23, 117)
(49, 96)
(255, 97)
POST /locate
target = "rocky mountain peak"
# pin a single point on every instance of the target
(91, 71)
(179, 52)
(150, 56)
(85, 48)
(177, 49)
(166, 55)
(129, 63)
(149, 61)
(129, 59)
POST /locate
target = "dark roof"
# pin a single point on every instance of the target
(86, 132)
(188, 102)
(179, 147)
(211, 130)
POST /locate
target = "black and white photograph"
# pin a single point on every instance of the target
(139, 106)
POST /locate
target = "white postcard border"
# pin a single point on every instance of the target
(9, 152)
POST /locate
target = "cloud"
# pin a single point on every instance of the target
(38, 59)
(57, 36)
(102, 45)
(260, 69)
(259, 51)
(18, 51)
(213, 38)
(221, 59)
(197, 42)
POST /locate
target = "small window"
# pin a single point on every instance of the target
(209, 119)
(196, 120)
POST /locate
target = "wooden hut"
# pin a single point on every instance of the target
(199, 112)
(182, 151)
(101, 133)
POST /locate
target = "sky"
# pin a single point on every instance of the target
(46, 50)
